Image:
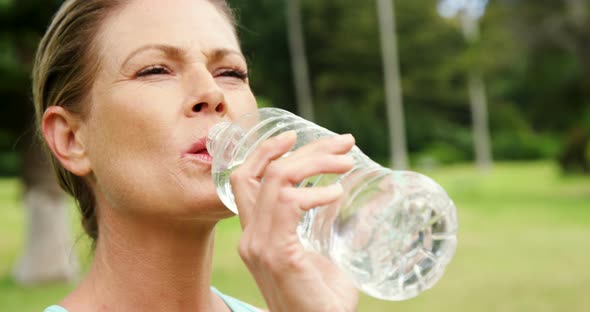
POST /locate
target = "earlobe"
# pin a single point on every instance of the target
(61, 131)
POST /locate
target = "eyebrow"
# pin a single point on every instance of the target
(176, 53)
(169, 51)
(217, 55)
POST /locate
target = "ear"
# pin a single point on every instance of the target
(61, 131)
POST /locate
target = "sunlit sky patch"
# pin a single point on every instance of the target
(451, 8)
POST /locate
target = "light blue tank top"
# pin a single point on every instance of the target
(234, 304)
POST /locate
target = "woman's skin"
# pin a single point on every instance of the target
(169, 71)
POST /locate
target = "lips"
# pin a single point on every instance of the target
(199, 151)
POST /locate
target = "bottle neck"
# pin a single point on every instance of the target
(214, 136)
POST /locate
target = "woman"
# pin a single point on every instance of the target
(125, 93)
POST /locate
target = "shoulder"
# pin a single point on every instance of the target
(234, 304)
(55, 308)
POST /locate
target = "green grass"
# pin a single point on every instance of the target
(523, 246)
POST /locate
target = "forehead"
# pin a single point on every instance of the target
(195, 25)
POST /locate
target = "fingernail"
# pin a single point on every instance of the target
(287, 134)
(345, 137)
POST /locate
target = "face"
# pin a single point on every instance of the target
(169, 72)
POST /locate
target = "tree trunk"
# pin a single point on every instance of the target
(393, 89)
(478, 102)
(578, 12)
(479, 117)
(299, 60)
(49, 254)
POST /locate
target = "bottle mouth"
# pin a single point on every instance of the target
(213, 136)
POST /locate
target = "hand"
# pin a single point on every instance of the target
(289, 277)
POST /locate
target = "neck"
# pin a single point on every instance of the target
(151, 264)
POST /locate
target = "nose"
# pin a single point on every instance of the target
(212, 103)
(206, 97)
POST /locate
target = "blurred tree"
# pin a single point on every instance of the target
(299, 60)
(262, 27)
(573, 158)
(469, 12)
(347, 73)
(47, 255)
(554, 89)
(535, 88)
(346, 69)
(393, 88)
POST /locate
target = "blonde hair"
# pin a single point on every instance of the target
(63, 75)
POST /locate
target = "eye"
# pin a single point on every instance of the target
(234, 73)
(153, 70)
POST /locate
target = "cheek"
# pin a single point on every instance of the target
(240, 103)
(134, 120)
(130, 143)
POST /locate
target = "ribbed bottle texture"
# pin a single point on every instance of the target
(392, 232)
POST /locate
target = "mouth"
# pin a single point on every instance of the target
(198, 151)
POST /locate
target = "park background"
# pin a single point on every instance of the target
(495, 105)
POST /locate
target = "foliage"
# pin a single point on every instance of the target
(539, 87)
(22, 23)
(532, 55)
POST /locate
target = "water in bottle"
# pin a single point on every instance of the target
(392, 232)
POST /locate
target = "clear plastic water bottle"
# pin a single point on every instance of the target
(392, 232)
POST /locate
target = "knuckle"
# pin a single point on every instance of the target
(285, 264)
(291, 263)
(236, 176)
(277, 265)
(249, 250)
(286, 196)
(256, 249)
(244, 250)
(273, 259)
(269, 262)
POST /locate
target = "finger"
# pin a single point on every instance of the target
(281, 175)
(311, 197)
(285, 207)
(245, 179)
(314, 153)
(278, 210)
(283, 228)
(245, 194)
(339, 144)
(268, 151)
(292, 170)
